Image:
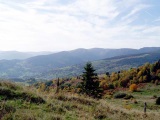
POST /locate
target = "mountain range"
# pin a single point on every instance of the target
(70, 63)
(10, 55)
(114, 64)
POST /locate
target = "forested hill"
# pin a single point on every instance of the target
(106, 65)
(70, 63)
(68, 58)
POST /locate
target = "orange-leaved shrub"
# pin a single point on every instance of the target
(133, 87)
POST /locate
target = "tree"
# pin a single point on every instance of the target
(57, 89)
(90, 83)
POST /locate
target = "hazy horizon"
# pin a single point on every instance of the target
(62, 25)
(74, 49)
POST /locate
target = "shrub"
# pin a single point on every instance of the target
(158, 101)
(156, 82)
(135, 101)
(152, 81)
(154, 96)
(10, 85)
(31, 98)
(5, 109)
(120, 95)
(116, 83)
(124, 83)
(7, 93)
(133, 87)
(128, 97)
(111, 86)
(10, 94)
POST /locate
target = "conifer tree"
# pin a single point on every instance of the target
(90, 83)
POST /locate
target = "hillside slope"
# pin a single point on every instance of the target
(28, 103)
(114, 64)
(70, 63)
(68, 58)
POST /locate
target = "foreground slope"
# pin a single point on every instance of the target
(28, 103)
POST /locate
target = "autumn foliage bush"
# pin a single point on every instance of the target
(133, 87)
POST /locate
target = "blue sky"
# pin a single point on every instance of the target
(55, 25)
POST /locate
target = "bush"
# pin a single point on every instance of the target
(154, 96)
(135, 101)
(10, 94)
(158, 101)
(156, 82)
(5, 109)
(116, 84)
(133, 87)
(124, 83)
(7, 93)
(31, 98)
(128, 97)
(10, 85)
(111, 86)
(120, 95)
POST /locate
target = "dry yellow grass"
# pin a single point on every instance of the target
(69, 106)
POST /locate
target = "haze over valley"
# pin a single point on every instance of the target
(70, 63)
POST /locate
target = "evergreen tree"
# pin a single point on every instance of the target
(90, 83)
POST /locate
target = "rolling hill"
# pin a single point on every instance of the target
(114, 64)
(78, 56)
(70, 63)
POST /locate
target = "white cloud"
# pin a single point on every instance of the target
(135, 10)
(48, 25)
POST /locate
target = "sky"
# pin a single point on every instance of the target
(57, 25)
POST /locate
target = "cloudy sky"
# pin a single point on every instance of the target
(55, 25)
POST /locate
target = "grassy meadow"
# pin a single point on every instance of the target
(28, 103)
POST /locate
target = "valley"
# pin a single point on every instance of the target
(70, 63)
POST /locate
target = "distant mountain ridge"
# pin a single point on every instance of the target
(38, 66)
(67, 58)
(114, 64)
(10, 55)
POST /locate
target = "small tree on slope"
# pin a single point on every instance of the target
(90, 83)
